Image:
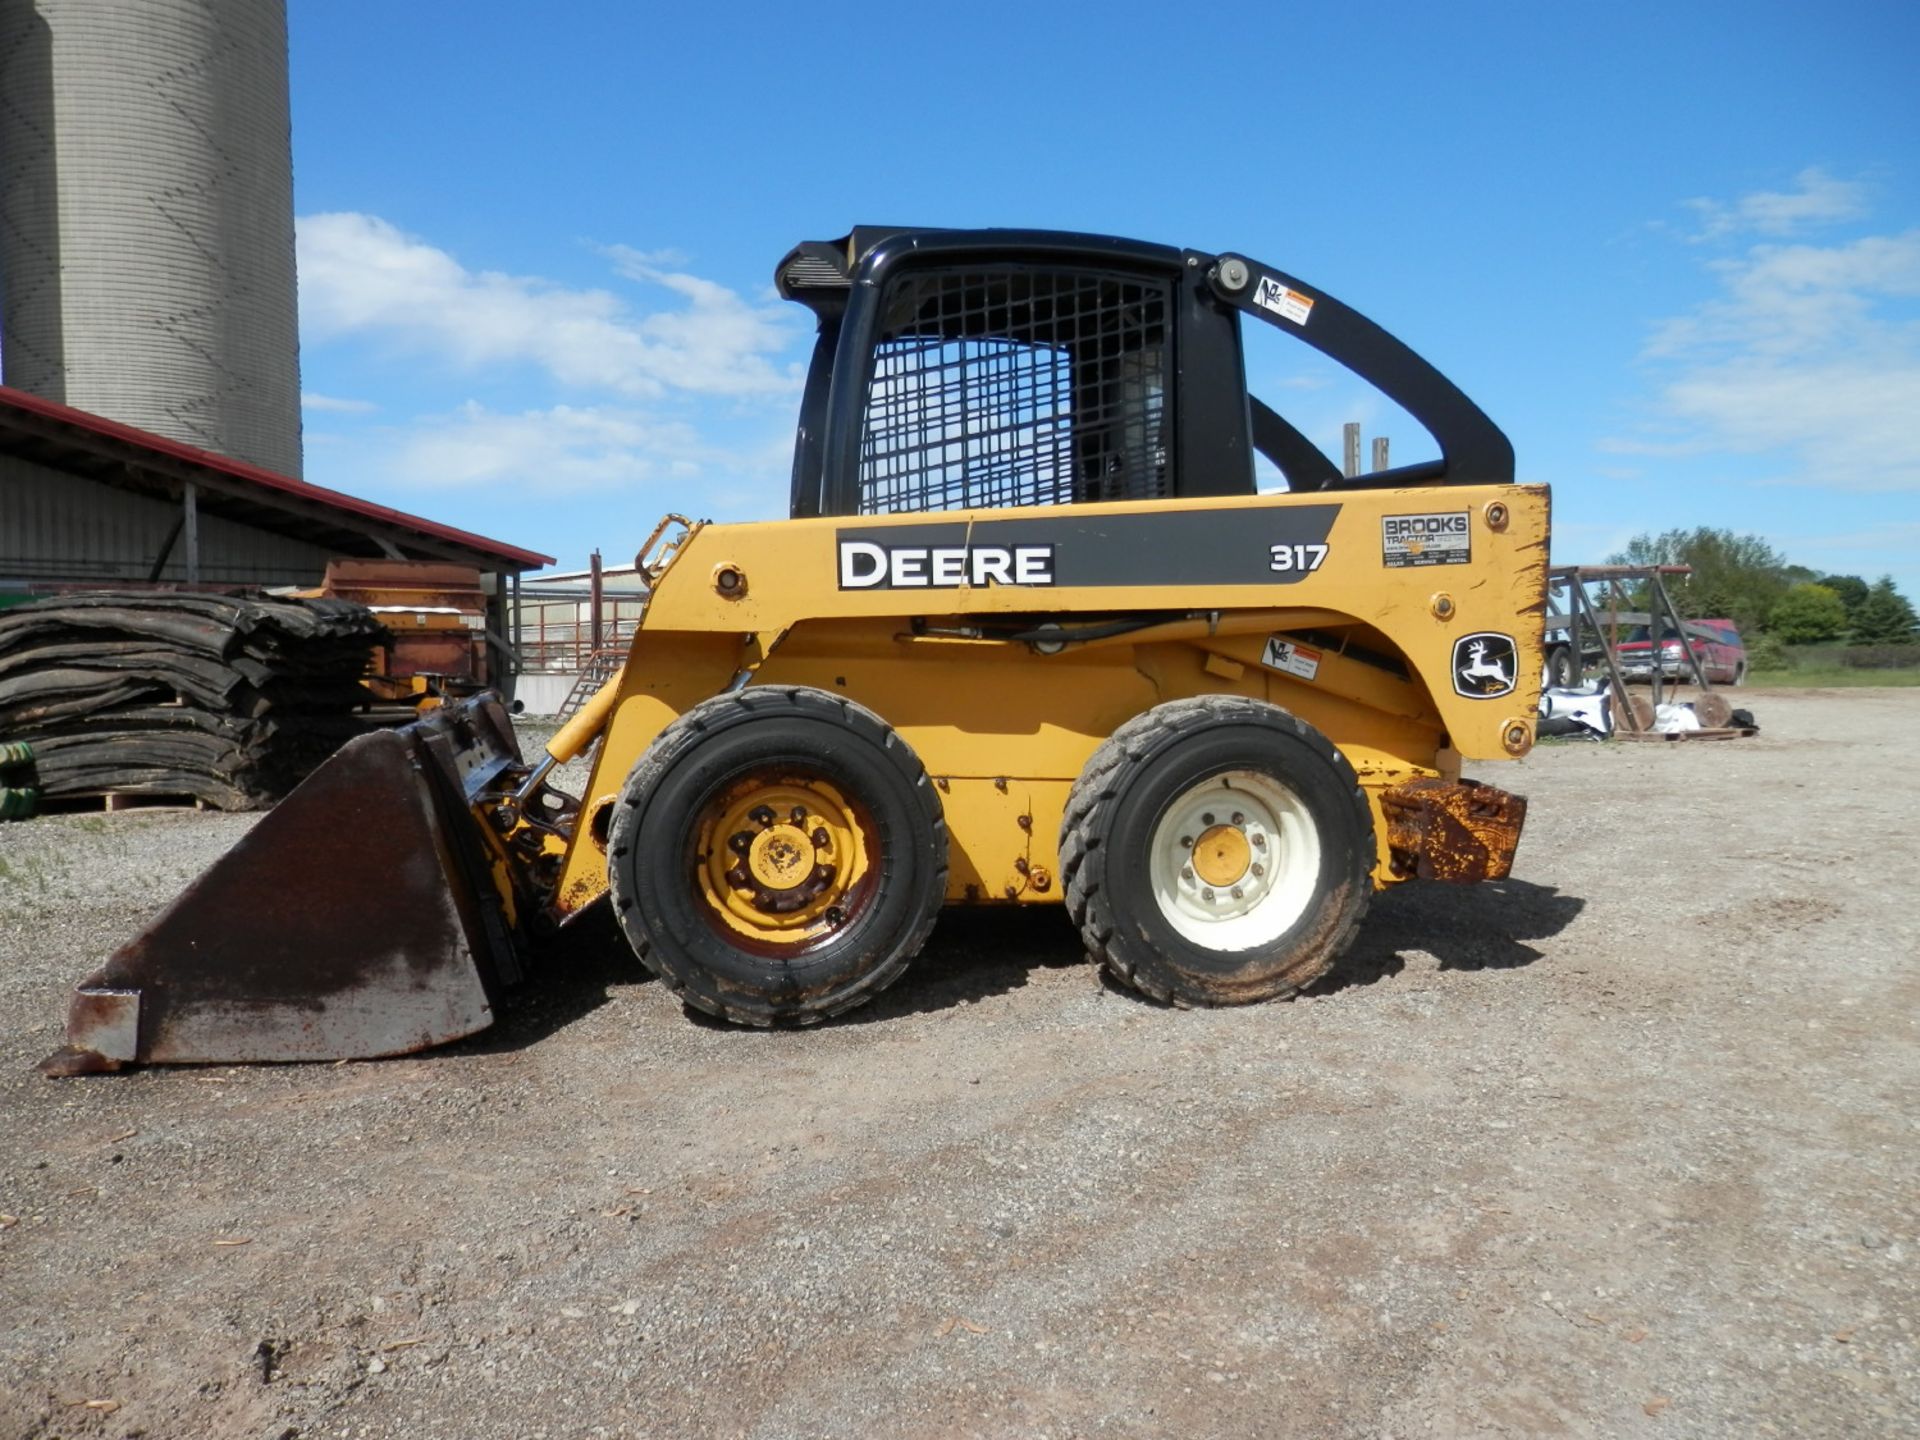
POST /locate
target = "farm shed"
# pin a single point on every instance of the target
(88, 503)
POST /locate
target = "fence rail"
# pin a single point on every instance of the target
(557, 637)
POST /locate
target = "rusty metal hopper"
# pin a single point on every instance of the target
(354, 920)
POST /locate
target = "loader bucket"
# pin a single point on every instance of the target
(354, 920)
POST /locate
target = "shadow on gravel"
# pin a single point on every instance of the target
(568, 977)
(976, 954)
(1465, 927)
(972, 955)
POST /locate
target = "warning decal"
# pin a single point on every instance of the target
(1291, 658)
(1407, 541)
(1287, 304)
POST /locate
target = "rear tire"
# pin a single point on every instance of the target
(777, 856)
(1560, 668)
(1217, 851)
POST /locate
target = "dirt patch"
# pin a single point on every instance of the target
(1622, 1144)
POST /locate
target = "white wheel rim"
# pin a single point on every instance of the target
(1240, 814)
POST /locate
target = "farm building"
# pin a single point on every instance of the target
(89, 503)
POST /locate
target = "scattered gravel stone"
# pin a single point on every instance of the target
(1629, 1135)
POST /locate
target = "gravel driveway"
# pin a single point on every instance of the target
(1624, 1146)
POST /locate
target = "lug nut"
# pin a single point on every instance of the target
(798, 814)
(1186, 872)
(821, 839)
(1259, 841)
(1206, 817)
(1236, 893)
(1258, 869)
(761, 815)
(1186, 842)
(1206, 895)
(738, 877)
(740, 842)
(1238, 818)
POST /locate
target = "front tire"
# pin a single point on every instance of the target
(1217, 851)
(777, 856)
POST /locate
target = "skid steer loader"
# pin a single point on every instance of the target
(1031, 635)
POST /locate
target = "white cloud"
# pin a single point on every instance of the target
(335, 405)
(665, 259)
(1817, 199)
(652, 463)
(1848, 424)
(1787, 300)
(360, 275)
(1584, 542)
(561, 450)
(1808, 355)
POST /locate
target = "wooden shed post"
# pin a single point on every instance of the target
(190, 517)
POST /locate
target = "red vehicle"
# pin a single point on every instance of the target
(1716, 645)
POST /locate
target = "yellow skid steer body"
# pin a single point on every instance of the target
(1209, 720)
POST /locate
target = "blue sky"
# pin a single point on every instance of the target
(1673, 250)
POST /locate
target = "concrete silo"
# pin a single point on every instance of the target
(146, 218)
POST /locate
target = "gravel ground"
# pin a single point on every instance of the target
(1621, 1147)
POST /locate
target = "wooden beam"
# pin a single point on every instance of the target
(190, 515)
(166, 548)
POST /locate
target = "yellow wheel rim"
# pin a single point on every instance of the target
(1222, 855)
(781, 860)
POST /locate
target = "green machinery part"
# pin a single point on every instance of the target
(17, 802)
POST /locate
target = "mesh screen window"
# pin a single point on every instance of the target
(996, 388)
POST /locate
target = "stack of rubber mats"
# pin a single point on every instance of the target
(18, 797)
(230, 700)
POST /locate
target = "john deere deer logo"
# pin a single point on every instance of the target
(1484, 665)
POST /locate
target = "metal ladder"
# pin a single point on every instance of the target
(602, 665)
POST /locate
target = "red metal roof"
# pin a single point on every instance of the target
(267, 481)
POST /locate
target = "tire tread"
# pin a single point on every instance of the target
(677, 739)
(1100, 786)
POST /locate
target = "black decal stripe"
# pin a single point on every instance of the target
(1177, 547)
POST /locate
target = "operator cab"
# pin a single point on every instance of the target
(984, 369)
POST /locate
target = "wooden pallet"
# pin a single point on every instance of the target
(1729, 733)
(116, 801)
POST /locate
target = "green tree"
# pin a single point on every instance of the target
(1852, 591)
(1886, 616)
(1808, 614)
(1739, 577)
